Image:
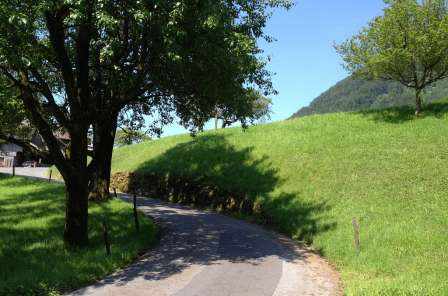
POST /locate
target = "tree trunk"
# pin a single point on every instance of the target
(76, 184)
(418, 102)
(104, 136)
(76, 215)
(99, 187)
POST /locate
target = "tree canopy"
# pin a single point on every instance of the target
(74, 65)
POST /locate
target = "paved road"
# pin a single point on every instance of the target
(207, 254)
(28, 172)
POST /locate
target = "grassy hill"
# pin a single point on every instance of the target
(385, 168)
(353, 94)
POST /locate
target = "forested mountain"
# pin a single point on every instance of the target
(353, 95)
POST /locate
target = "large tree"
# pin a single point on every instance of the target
(209, 57)
(408, 44)
(75, 65)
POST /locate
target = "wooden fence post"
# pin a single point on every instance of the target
(137, 224)
(13, 168)
(49, 177)
(115, 193)
(357, 243)
(106, 238)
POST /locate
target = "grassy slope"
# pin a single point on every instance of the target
(386, 168)
(32, 257)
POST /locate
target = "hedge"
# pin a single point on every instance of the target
(197, 192)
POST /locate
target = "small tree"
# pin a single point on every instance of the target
(125, 137)
(408, 44)
(258, 109)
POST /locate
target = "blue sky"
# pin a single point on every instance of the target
(303, 56)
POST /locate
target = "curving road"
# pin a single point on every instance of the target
(207, 254)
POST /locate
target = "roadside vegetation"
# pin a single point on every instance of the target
(315, 174)
(32, 254)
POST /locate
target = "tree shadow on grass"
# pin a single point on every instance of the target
(33, 260)
(209, 167)
(403, 114)
(210, 172)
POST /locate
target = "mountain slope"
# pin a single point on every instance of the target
(353, 95)
(385, 168)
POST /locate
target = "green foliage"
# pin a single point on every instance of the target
(12, 113)
(139, 50)
(353, 94)
(32, 255)
(261, 106)
(408, 44)
(13, 117)
(387, 168)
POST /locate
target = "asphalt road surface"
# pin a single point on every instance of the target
(207, 254)
(28, 172)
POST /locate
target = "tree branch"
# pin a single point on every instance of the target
(83, 54)
(26, 145)
(34, 108)
(55, 26)
(52, 106)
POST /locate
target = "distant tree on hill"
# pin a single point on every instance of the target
(258, 109)
(125, 137)
(132, 127)
(408, 44)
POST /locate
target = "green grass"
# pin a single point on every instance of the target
(385, 168)
(33, 260)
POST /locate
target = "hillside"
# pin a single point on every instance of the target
(314, 175)
(354, 95)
